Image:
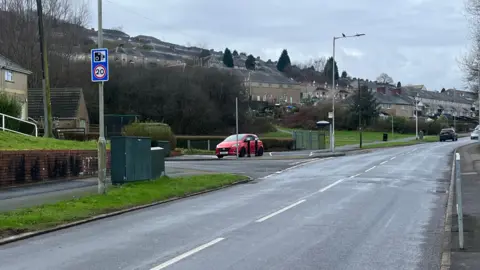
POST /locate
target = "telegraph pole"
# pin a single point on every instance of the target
(47, 106)
(359, 113)
(102, 143)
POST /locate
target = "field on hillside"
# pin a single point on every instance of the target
(12, 141)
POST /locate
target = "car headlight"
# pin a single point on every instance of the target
(235, 145)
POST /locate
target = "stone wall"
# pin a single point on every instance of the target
(24, 167)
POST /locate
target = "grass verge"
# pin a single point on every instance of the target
(12, 141)
(118, 198)
(426, 139)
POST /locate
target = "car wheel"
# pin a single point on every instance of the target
(260, 152)
(220, 156)
(242, 152)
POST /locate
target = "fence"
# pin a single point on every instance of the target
(114, 123)
(309, 140)
(199, 144)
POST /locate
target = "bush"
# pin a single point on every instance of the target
(258, 125)
(156, 131)
(308, 116)
(73, 136)
(201, 142)
(277, 144)
(9, 106)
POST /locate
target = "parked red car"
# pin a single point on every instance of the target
(230, 145)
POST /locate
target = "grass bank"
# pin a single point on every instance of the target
(12, 141)
(117, 198)
(426, 139)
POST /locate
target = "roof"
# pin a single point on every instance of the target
(6, 63)
(413, 91)
(391, 99)
(65, 102)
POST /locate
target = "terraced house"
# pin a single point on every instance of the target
(14, 82)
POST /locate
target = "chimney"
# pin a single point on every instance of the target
(381, 90)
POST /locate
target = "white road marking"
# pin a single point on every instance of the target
(371, 168)
(331, 185)
(270, 153)
(311, 154)
(186, 254)
(355, 175)
(280, 211)
(296, 166)
(392, 158)
(388, 222)
(469, 173)
(381, 163)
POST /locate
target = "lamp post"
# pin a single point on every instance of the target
(416, 117)
(332, 139)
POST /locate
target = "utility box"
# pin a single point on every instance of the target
(385, 137)
(130, 159)
(158, 162)
(163, 144)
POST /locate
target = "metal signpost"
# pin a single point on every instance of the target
(458, 188)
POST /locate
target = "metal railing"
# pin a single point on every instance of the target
(4, 125)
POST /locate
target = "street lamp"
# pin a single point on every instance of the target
(416, 116)
(332, 139)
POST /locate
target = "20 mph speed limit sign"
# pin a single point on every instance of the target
(99, 65)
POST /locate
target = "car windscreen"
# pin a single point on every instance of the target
(233, 138)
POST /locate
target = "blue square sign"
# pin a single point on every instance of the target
(99, 65)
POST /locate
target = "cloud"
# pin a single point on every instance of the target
(414, 41)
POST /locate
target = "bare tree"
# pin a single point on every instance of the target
(384, 78)
(64, 22)
(317, 63)
(470, 63)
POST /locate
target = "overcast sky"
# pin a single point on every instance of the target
(414, 41)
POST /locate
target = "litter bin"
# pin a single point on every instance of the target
(130, 159)
(385, 137)
(163, 144)
(420, 135)
(158, 162)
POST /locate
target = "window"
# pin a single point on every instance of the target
(403, 107)
(8, 76)
(258, 98)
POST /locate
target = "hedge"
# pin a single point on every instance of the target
(201, 142)
(156, 131)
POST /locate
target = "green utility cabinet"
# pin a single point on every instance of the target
(158, 162)
(130, 159)
(163, 144)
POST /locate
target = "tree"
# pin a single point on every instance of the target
(384, 78)
(365, 104)
(328, 70)
(399, 84)
(344, 74)
(283, 61)
(443, 90)
(228, 58)
(250, 62)
(235, 53)
(318, 64)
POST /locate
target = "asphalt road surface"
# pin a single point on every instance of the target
(381, 210)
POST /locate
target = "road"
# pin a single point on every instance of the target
(381, 210)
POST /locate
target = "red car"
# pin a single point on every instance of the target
(230, 145)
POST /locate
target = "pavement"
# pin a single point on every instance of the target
(381, 210)
(469, 258)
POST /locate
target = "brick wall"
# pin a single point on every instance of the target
(24, 167)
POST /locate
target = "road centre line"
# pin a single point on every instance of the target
(355, 175)
(331, 185)
(370, 169)
(278, 212)
(381, 163)
(186, 254)
(392, 158)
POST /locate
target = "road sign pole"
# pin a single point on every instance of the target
(102, 143)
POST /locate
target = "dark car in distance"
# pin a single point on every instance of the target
(448, 134)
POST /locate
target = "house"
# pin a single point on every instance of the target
(14, 82)
(393, 102)
(69, 110)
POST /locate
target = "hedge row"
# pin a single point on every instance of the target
(201, 142)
